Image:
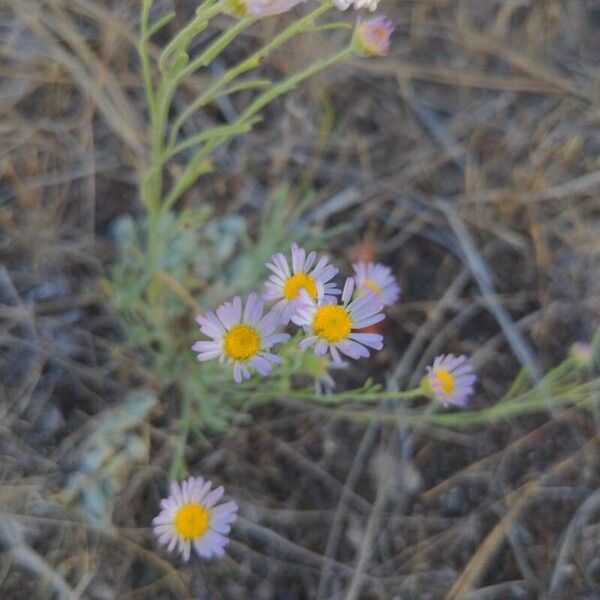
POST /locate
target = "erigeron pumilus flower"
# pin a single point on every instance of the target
(333, 327)
(372, 36)
(582, 353)
(285, 284)
(190, 517)
(377, 278)
(358, 4)
(260, 8)
(450, 379)
(241, 339)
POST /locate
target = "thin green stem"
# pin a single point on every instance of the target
(160, 105)
(178, 467)
(249, 84)
(291, 82)
(204, 59)
(145, 55)
(187, 179)
(214, 49)
(158, 25)
(249, 63)
(356, 396)
(214, 132)
(151, 184)
(581, 395)
(203, 14)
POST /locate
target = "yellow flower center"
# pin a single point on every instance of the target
(369, 283)
(191, 521)
(445, 379)
(332, 322)
(380, 33)
(241, 342)
(238, 8)
(295, 283)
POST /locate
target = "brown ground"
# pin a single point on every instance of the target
(468, 161)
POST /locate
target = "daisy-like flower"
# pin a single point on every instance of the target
(331, 326)
(260, 8)
(372, 36)
(450, 379)
(189, 516)
(582, 353)
(241, 340)
(377, 278)
(284, 285)
(345, 4)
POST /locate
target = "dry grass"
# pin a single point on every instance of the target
(468, 160)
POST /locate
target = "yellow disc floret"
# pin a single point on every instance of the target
(191, 521)
(445, 380)
(237, 8)
(295, 283)
(332, 323)
(241, 342)
(369, 283)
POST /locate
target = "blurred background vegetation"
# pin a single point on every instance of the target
(468, 161)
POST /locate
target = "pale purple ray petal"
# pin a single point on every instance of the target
(321, 347)
(348, 289)
(211, 499)
(362, 323)
(373, 340)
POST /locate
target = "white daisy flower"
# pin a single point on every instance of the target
(241, 340)
(450, 379)
(377, 278)
(189, 517)
(260, 8)
(358, 4)
(331, 326)
(284, 285)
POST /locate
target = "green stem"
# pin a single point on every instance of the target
(145, 55)
(357, 396)
(222, 42)
(204, 59)
(152, 189)
(151, 184)
(178, 467)
(204, 13)
(215, 132)
(187, 179)
(250, 84)
(251, 62)
(582, 395)
(291, 82)
(158, 25)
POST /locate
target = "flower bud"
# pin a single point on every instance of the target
(582, 353)
(372, 36)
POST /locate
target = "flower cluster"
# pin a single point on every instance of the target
(266, 8)
(300, 291)
(371, 36)
(335, 322)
